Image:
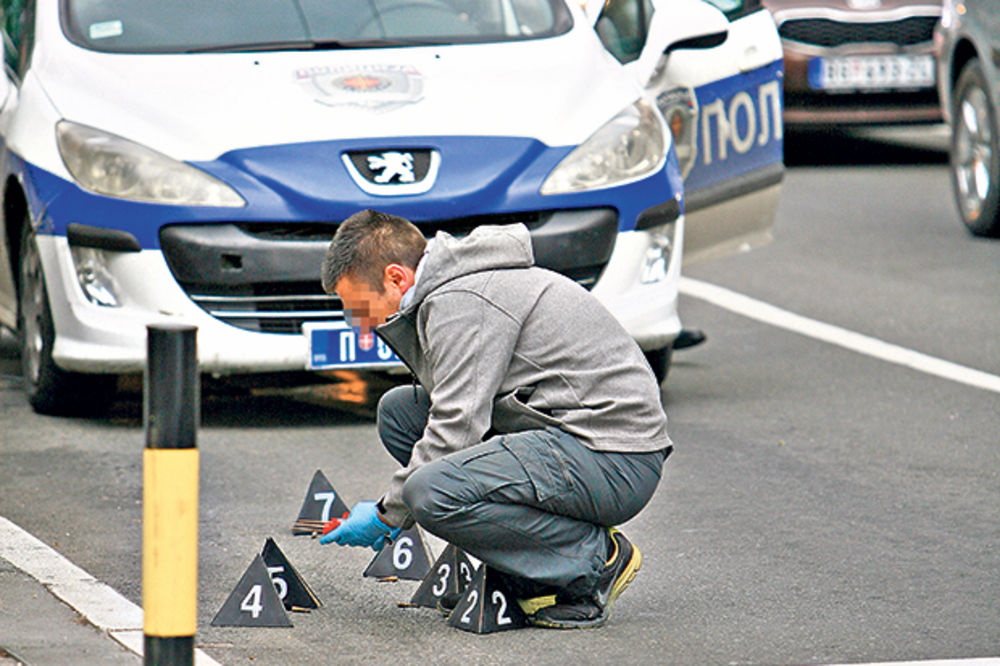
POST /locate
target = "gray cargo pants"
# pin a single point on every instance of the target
(533, 504)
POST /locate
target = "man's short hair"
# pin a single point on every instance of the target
(367, 242)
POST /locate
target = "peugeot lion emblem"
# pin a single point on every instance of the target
(392, 164)
(394, 171)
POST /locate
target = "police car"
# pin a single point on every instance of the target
(188, 162)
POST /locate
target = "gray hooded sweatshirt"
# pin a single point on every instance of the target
(502, 345)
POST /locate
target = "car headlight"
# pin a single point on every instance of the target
(94, 276)
(656, 263)
(108, 164)
(630, 146)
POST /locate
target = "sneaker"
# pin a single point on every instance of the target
(593, 610)
(530, 595)
(532, 605)
(578, 613)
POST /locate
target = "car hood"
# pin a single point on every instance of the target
(199, 106)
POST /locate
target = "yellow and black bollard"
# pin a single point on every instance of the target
(171, 401)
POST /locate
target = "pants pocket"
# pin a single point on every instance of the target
(541, 462)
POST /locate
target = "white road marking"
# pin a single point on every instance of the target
(835, 335)
(97, 602)
(985, 661)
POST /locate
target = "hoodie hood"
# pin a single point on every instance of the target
(486, 248)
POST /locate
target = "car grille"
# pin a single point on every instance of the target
(265, 277)
(270, 308)
(827, 32)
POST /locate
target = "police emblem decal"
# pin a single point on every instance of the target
(377, 88)
(362, 83)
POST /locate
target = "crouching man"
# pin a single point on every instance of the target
(537, 426)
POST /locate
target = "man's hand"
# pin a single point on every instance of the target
(333, 524)
(362, 527)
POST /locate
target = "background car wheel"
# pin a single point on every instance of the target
(975, 153)
(659, 361)
(50, 389)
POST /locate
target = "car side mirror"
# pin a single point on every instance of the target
(690, 24)
(679, 25)
(708, 41)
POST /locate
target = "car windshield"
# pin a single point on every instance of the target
(155, 26)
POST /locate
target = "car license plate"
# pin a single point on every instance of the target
(332, 346)
(883, 72)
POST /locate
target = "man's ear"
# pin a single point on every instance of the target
(399, 276)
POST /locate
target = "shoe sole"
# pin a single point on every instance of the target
(623, 581)
(582, 624)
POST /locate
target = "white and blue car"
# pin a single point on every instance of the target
(188, 161)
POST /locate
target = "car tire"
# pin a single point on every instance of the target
(659, 360)
(975, 153)
(50, 389)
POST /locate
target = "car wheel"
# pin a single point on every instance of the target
(659, 361)
(50, 389)
(975, 153)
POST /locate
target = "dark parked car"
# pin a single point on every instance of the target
(858, 62)
(969, 83)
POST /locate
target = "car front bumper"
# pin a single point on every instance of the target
(101, 339)
(811, 33)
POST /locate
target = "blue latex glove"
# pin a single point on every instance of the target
(362, 527)
(388, 538)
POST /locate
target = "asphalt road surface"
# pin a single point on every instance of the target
(824, 505)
